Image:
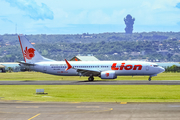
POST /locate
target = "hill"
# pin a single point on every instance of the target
(153, 46)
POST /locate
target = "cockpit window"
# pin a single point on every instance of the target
(155, 65)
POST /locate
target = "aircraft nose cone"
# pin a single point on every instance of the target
(161, 69)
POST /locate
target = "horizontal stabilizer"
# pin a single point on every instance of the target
(27, 64)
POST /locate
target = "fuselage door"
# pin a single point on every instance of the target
(44, 68)
(147, 68)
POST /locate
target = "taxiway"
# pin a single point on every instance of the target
(85, 111)
(100, 82)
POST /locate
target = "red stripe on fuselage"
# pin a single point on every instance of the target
(21, 47)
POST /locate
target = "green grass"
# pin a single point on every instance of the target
(90, 93)
(93, 93)
(42, 76)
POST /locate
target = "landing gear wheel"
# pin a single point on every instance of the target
(149, 78)
(91, 78)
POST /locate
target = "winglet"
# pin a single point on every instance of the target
(69, 66)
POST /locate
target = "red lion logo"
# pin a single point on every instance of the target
(29, 53)
(107, 74)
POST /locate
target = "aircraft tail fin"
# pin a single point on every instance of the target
(30, 54)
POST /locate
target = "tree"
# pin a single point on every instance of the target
(10, 69)
(129, 24)
(1, 41)
(169, 55)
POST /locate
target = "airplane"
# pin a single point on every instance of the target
(103, 69)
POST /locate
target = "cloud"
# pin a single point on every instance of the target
(178, 5)
(6, 20)
(77, 16)
(32, 9)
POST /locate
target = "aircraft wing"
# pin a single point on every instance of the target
(86, 72)
(83, 72)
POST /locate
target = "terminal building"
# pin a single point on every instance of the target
(2, 68)
(5, 66)
(84, 58)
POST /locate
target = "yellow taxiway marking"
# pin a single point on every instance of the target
(75, 102)
(87, 107)
(123, 103)
(34, 116)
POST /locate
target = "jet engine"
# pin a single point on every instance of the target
(108, 75)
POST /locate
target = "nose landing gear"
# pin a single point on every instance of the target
(150, 78)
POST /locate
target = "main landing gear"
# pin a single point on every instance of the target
(150, 78)
(91, 78)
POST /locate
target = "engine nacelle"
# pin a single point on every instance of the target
(108, 75)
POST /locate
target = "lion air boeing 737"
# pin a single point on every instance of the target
(104, 69)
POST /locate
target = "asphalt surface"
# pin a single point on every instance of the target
(101, 82)
(17, 110)
(27, 110)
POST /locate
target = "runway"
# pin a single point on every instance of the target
(87, 111)
(101, 82)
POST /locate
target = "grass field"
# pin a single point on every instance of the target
(93, 93)
(90, 93)
(42, 76)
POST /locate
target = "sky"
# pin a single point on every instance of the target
(87, 16)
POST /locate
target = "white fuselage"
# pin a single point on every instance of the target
(121, 68)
